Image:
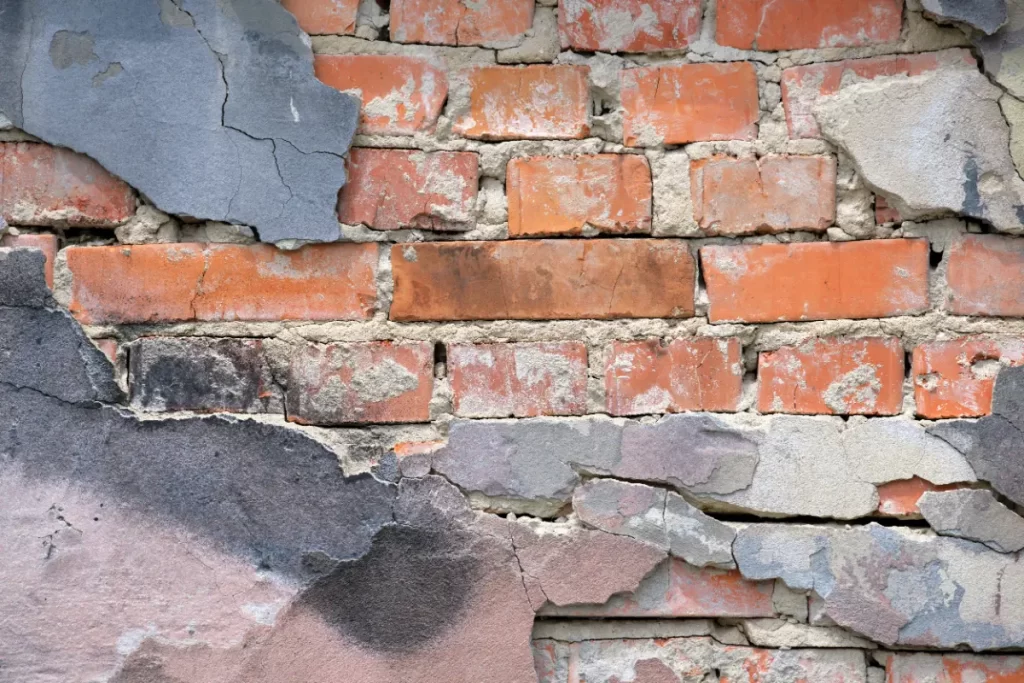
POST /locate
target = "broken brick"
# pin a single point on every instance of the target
(955, 378)
(45, 243)
(797, 24)
(317, 17)
(986, 275)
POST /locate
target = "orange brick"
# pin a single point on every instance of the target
(628, 25)
(689, 102)
(899, 498)
(986, 275)
(44, 185)
(954, 668)
(542, 280)
(494, 23)
(324, 16)
(955, 378)
(832, 376)
(174, 282)
(817, 281)
(799, 24)
(644, 377)
(518, 380)
(527, 102)
(389, 189)
(400, 95)
(610, 193)
(368, 382)
(885, 213)
(803, 85)
(772, 194)
(44, 243)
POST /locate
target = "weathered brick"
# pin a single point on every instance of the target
(44, 185)
(610, 193)
(676, 589)
(771, 194)
(817, 281)
(542, 280)
(628, 25)
(400, 95)
(899, 498)
(955, 378)
(519, 380)
(527, 102)
(169, 282)
(986, 275)
(689, 102)
(885, 213)
(390, 189)
(324, 16)
(803, 85)
(203, 375)
(954, 668)
(832, 376)
(45, 243)
(375, 382)
(109, 347)
(798, 24)
(649, 376)
(494, 23)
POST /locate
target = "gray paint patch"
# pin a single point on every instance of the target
(209, 107)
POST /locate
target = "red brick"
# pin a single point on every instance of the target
(885, 213)
(986, 276)
(772, 194)
(900, 498)
(689, 102)
(677, 589)
(799, 24)
(955, 378)
(44, 185)
(643, 377)
(954, 668)
(518, 380)
(400, 95)
(44, 243)
(526, 102)
(324, 16)
(365, 382)
(817, 281)
(390, 189)
(610, 193)
(494, 23)
(803, 85)
(628, 25)
(174, 282)
(542, 280)
(108, 347)
(832, 376)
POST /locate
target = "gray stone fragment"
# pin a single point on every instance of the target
(985, 15)
(976, 515)
(1003, 52)
(209, 107)
(1013, 110)
(948, 126)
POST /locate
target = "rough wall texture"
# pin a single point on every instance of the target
(666, 342)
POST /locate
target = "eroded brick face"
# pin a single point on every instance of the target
(772, 282)
(324, 16)
(518, 380)
(372, 382)
(953, 668)
(628, 25)
(391, 189)
(795, 24)
(494, 23)
(955, 378)
(772, 194)
(44, 185)
(674, 105)
(833, 376)
(645, 377)
(542, 280)
(175, 282)
(609, 193)
(986, 276)
(526, 102)
(400, 95)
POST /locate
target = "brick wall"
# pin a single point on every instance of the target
(565, 223)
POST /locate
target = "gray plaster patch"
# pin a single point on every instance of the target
(985, 15)
(1003, 52)
(976, 515)
(209, 107)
